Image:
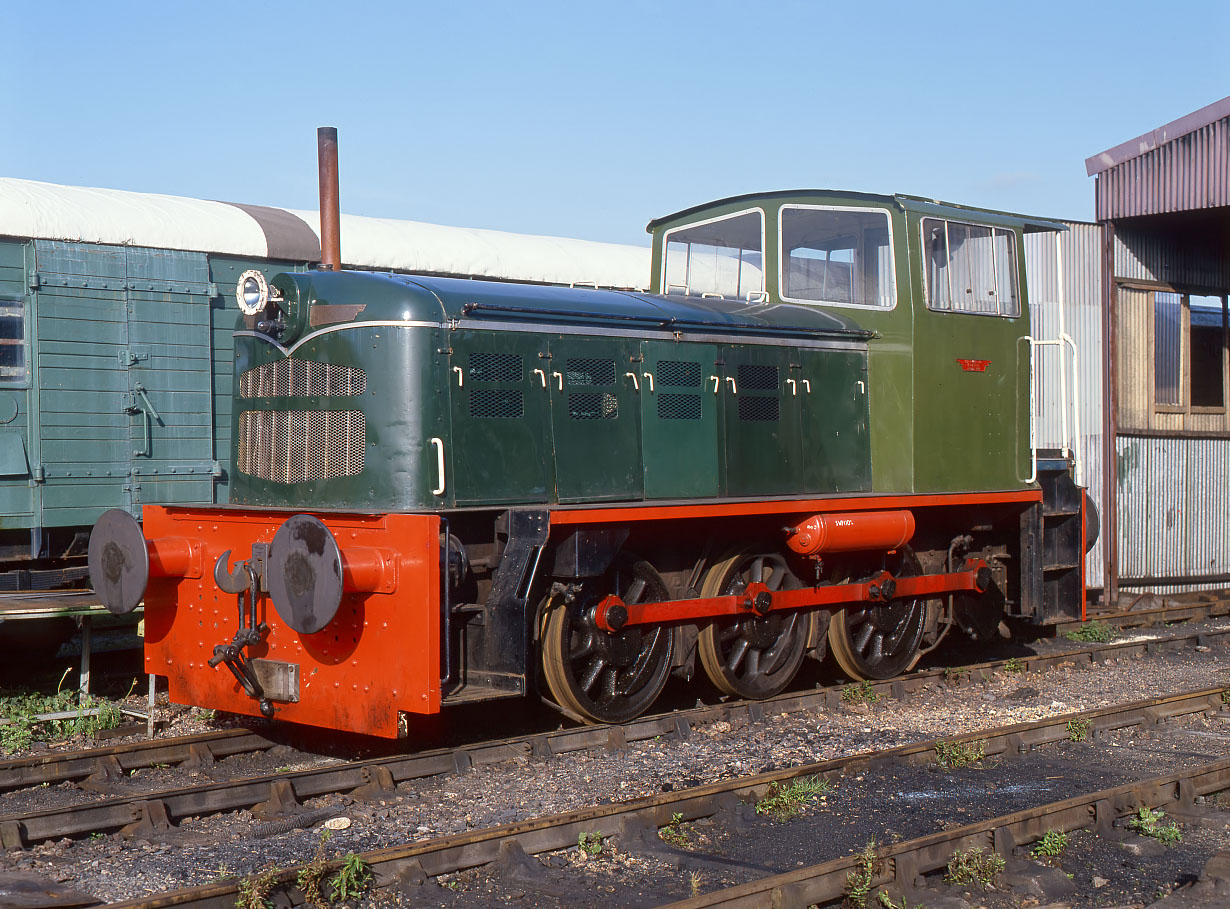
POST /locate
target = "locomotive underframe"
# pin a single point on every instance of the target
(445, 609)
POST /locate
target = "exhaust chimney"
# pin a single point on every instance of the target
(330, 210)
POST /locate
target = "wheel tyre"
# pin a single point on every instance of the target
(638, 658)
(903, 638)
(783, 636)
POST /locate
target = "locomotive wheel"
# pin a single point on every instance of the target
(753, 657)
(607, 678)
(879, 642)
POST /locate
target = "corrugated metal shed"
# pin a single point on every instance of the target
(1178, 167)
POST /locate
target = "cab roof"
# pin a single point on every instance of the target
(1028, 223)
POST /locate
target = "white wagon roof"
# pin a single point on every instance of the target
(30, 209)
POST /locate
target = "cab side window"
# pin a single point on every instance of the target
(719, 258)
(971, 268)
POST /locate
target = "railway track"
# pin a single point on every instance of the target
(202, 750)
(637, 821)
(900, 865)
(280, 790)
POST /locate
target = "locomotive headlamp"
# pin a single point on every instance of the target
(252, 292)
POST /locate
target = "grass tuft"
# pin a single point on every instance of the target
(862, 693)
(785, 801)
(955, 755)
(974, 866)
(1092, 633)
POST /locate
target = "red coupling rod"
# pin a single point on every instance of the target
(613, 614)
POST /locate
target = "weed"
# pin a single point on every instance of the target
(590, 844)
(1092, 633)
(22, 711)
(256, 890)
(974, 866)
(956, 674)
(1078, 730)
(312, 875)
(1052, 845)
(220, 874)
(1225, 696)
(1014, 664)
(97, 835)
(863, 693)
(694, 881)
(675, 833)
(954, 755)
(785, 801)
(887, 902)
(859, 882)
(1147, 822)
(353, 879)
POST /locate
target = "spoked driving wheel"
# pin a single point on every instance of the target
(604, 677)
(879, 642)
(753, 656)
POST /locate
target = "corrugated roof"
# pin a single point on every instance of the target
(1183, 166)
(1134, 148)
(90, 215)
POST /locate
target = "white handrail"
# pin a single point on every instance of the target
(1078, 466)
(1033, 410)
(438, 444)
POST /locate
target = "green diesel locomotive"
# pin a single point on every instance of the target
(815, 436)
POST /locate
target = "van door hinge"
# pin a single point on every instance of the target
(129, 357)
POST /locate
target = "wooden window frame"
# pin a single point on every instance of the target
(1185, 407)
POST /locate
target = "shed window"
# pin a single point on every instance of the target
(839, 257)
(1167, 348)
(13, 368)
(971, 268)
(722, 258)
(1208, 344)
(1189, 352)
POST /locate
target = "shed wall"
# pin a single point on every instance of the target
(1185, 259)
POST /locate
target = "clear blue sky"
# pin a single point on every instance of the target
(587, 119)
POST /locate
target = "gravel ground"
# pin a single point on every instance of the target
(200, 850)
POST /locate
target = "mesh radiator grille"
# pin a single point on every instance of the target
(301, 378)
(297, 446)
